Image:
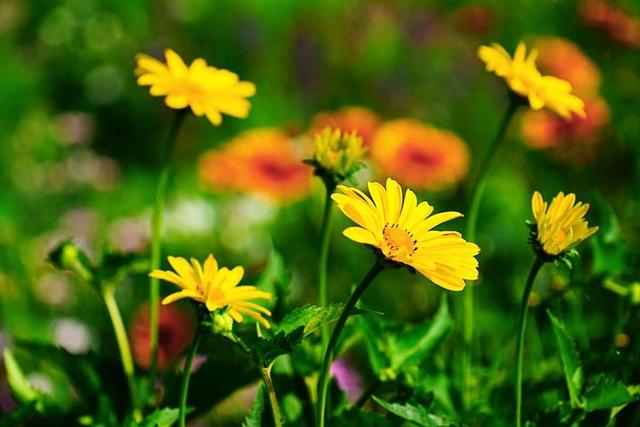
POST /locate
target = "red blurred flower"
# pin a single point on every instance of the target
(349, 119)
(475, 18)
(612, 20)
(176, 328)
(574, 140)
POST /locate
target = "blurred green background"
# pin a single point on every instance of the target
(79, 154)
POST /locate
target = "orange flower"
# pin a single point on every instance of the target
(612, 20)
(563, 59)
(260, 161)
(419, 155)
(349, 119)
(575, 140)
(176, 328)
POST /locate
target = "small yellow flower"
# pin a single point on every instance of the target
(337, 152)
(207, 90)
(403, 232)
(561, 225)
(215, 287)
(523, 77)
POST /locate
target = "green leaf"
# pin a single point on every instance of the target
(254, 417)
(417, 414)
(298, 324)
(609, 249)
(415, 344)
(606, 393)
(164, 417)
(573, 372)
(374, 340)
(22, 390)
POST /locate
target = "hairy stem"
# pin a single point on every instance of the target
(186, 376)
(323, 383)
(522, 325)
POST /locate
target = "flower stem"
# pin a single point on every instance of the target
(108, 295)
(323, 259)
(323, 383)
(186, 376)
(273, 400)
(522, 325)
(156, 228)
(475, 193)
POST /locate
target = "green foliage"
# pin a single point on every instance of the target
(294, 327)
(415, 413)
(255, 415)
(393, 350)
(21, 388)
(573, 372)
(164, 417)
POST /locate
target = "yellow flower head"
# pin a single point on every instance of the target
(561, 225)
(523, 77)
(403, 232)
(207, 90)
(215, 287)
(337, 152)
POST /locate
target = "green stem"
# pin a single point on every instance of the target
(271, 392)
(323, 259)
(323, 383)
(522, 325)
(156, 243)
(186, 376)
(475, 196)
(108, 295)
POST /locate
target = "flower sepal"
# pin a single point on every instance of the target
(563, 257)
(218, 322)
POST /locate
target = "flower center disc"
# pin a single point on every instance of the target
(397, 244)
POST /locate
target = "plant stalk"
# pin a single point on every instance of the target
(156, 240)
(323, 259)
(186, 376)
(271, 392)
(522, 325)
(108, 295)
(475, 196)
(323, 383)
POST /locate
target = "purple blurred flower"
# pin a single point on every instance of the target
(348, 378)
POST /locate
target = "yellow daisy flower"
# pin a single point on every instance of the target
(403, 232)
(207, 90)
(523, 77)
(215, 287)
(561, 225)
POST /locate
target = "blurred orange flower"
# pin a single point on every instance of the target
(176, 328)
(575, 139)
(563, 59)
(260, 161)
(420, 155)
(349, 119)
(612, 20)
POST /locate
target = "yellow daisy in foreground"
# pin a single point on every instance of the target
(215, 287)
(560, 225)
(207, 90)
(523, 77)
(403, 232)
